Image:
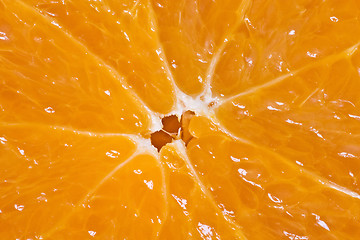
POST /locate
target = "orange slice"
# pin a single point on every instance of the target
(190, 119)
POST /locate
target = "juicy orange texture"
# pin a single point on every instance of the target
(273, 151)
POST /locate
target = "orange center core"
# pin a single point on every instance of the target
(173, 129)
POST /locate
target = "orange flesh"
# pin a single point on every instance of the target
(162, 119)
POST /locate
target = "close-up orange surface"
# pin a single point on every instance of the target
(180, 119)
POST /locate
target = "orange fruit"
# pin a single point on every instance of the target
(167, 119)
